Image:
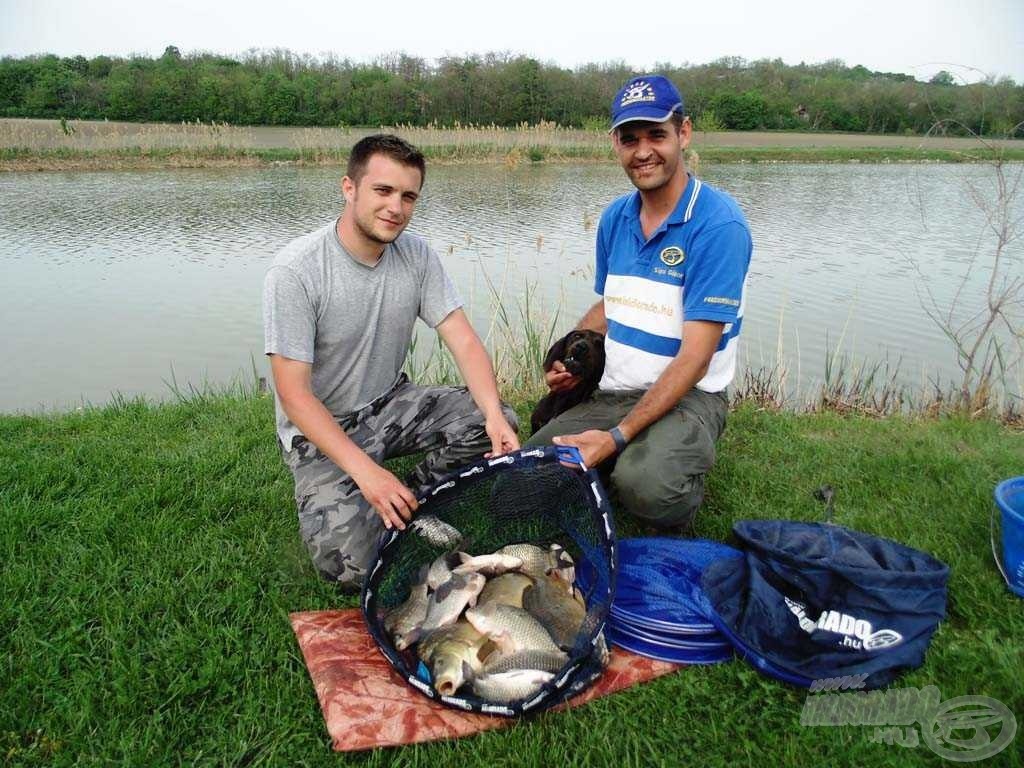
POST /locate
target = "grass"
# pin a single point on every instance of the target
(150, 560)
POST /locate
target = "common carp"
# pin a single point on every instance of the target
(506, 687)
(436, 531)
(507, 588)
(449, 600)
(441, 569)
(561, 614)
(489, 565)
(448, 650)
(404, 621)
(512, 629)
(545, 661)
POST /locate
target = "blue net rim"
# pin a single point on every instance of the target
(758, 661)
(663, 653)
(676, 564)
(709, 642)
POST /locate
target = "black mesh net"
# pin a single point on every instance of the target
(528, 497)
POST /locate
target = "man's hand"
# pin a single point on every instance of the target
(503, 437)
(559, 379)
(389, 497)
(595, 445)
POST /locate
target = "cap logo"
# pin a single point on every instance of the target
(672, 256)
(641, 90)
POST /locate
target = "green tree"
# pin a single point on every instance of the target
(741, 111)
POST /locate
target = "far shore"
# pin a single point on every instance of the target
(40, 145)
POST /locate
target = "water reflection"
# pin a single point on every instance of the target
(110, 279)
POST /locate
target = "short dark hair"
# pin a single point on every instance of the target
(399, 150)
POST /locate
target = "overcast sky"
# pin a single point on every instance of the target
(919, 37)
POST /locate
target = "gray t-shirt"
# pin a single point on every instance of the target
(353, 322)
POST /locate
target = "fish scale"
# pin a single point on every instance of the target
(404, 621)
(512, 629)
(545, 661)
(561, 615)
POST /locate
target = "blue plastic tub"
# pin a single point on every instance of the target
(1009, 496)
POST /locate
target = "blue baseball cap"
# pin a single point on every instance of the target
(648, 97)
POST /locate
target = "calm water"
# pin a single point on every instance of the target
(121, 282)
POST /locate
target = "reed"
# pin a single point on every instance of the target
(74, 145)
(521, 331)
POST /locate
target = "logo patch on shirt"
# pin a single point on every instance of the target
(721, 300)
(673, 256)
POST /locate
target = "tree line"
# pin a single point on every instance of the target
(279, 87)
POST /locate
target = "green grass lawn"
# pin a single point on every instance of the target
(149, 558)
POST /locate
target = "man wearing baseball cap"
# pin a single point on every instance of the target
(672, 260)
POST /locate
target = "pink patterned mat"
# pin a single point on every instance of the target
(366, 704)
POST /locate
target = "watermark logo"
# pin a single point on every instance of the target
(963, 729)
(844, 683)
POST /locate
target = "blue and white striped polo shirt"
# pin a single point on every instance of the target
(693, 267)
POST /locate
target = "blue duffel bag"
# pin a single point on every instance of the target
(816, 601)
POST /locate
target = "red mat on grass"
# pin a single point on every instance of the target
(366, 704)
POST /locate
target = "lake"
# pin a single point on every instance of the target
(128, 281)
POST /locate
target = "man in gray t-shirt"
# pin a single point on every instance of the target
(339, 307)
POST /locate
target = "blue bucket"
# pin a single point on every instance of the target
(1009, 496)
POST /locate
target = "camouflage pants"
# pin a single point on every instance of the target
(337, 524)
(659, 477)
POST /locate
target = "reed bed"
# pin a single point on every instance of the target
(85, 136)
(28, 144)
(519, 335)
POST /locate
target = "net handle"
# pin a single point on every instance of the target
(570, 454)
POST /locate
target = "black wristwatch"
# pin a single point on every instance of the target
(620, 439)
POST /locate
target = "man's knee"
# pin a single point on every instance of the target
(470, 431)
(664, 501)
(342, 540)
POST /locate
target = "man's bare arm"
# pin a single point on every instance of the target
(389, 497)
(700, 340)
(475, 365)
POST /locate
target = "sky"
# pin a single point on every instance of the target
(970, 39)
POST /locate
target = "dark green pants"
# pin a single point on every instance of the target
(659, 478)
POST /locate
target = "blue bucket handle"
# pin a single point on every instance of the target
(1002, 504)
(995, 549)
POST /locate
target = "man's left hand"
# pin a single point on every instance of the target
(595, 445)
(503, 437)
